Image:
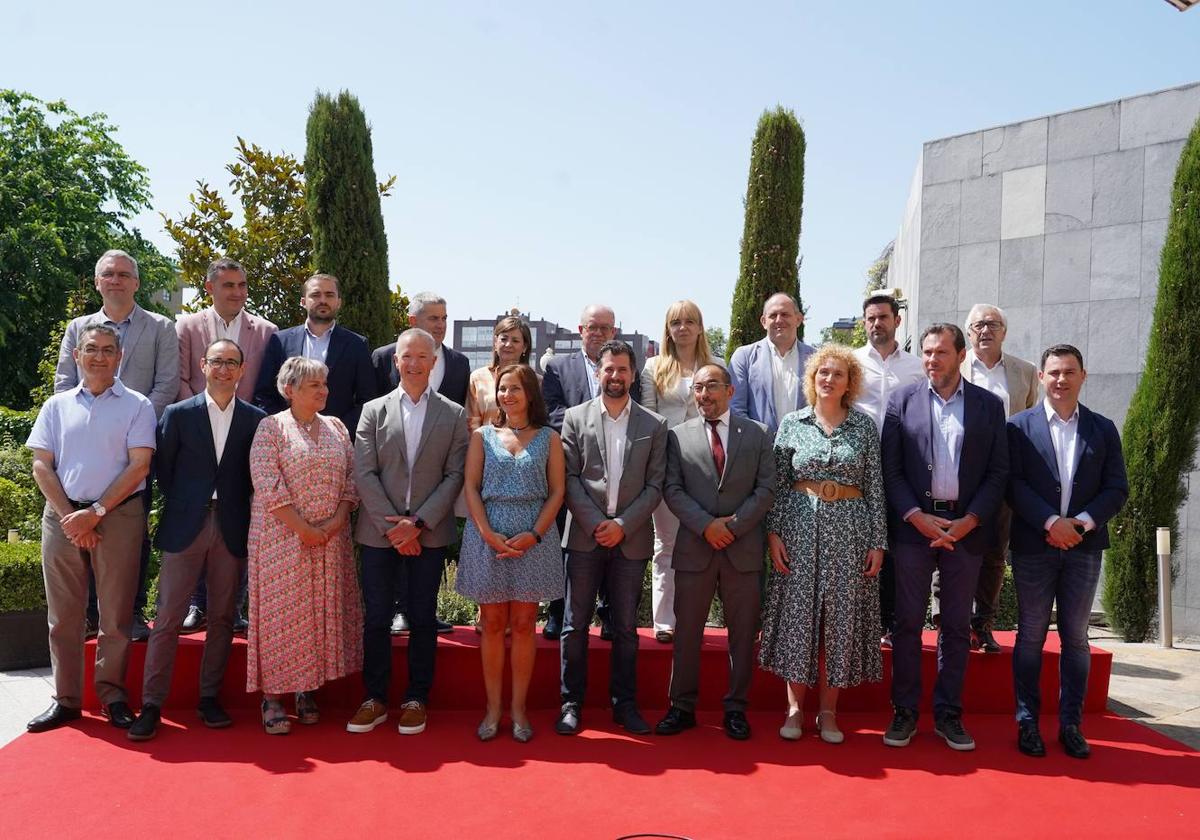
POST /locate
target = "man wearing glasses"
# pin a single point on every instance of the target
(204, 476)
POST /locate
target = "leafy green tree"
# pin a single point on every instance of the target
(67, 191)
(1159, 438)
(771, 236)
(342, 196)
(716, 341)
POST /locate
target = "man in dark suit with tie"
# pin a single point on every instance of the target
(945, 467)
(720, 483)
(1067, 480)
(204, 477)
(351, 380)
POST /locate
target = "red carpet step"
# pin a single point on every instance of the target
(458, 683)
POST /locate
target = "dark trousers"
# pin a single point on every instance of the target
(741, 602)
(1070, 578)
(557, 607)
(587, 571)
(991, 575)
(959, 571)
(887, 593)
(380, 568)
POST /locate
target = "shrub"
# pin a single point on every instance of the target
(15, 426)
(21, 501)
(21, 584)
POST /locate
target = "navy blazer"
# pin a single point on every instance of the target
(1100, 487)
(908, 462)
(187, 473)
(351, 379)
(565, 385)
(454, 382)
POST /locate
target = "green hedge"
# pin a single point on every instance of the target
(21, 584)
(20, 500)
(15, 426)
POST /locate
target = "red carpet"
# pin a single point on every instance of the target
(458, 683)
(87, 780)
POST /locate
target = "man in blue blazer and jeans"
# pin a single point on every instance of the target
(1067, 481)
(945, 468)
(204, 477)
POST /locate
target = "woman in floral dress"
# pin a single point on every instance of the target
(826, 534)
(305, 608)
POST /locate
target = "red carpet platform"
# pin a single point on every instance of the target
(88, 780)
(458, 683)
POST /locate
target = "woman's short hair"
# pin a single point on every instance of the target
(507, 324)
(538, 416)
(843, 354)
(296, 370)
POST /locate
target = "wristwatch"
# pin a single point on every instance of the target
(99, 509)
(418, 521)
(536, 535)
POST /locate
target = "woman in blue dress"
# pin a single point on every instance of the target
(510, 558)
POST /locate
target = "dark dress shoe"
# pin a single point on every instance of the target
(443, 626)
(569, 720)
(553, 628)
(53, 718)
(1073, 742)
(194, 621)
(211, 713)
(985, 641)
(146, 725)
(119, 714)
(606, 631)
(1029, 741)
(675, 721)
(240, 624)
(140, 631)
(631, 720)
(736, 725)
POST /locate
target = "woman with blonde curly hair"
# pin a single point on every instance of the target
(826, 534)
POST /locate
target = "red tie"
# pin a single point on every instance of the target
(718, 449)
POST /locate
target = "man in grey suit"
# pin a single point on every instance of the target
(720, 483)
(149, 365)
(616, 454)
(409, 454)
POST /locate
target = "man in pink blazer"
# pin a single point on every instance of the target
(225, 283)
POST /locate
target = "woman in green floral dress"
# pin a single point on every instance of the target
(826, 533)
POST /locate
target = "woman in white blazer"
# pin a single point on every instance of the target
(667, 391)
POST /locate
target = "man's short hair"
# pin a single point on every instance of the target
(990, 306)
(725, 377)
(596, 307)
(112, 253)
(616, 347)
(103, 329)
(223, 264)
(416, 332)
(882, 298)
(773, 295)
(1061, 350)
(960, 342)
(337, 284)
(230, 342)
(418, 302)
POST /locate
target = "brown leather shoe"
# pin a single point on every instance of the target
(369, 715)
(412, 717)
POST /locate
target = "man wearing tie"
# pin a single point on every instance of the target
(945, 467)
(720, 483)
(1067, 481)
(767, 374)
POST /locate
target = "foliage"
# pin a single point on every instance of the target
(771, 236)
(878, 270)
(1159, 438)
(21, 585)
(343, 206)
(20, 499)
(716, 341)
(15, 426)
(67, 189)
(399, 313)
(855, 337)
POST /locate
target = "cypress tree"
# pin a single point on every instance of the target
(1159, 438)
(342, 197)
(771, 236)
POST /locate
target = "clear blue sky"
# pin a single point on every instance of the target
(553, 153)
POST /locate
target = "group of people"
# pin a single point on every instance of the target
(822, 493)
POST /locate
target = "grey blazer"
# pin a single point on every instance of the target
(381, 469)
(149, 356)
(642, 475)
(695, 495)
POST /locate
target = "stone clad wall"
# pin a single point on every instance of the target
(1060, 221)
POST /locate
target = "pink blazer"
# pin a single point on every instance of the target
(197, 330)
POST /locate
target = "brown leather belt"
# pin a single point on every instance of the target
(828, 491)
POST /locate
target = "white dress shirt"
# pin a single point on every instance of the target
(616, 433)
(722, 427)
(317, 347)
(994, 379)
(439, 369)
(593, 377)
(231, 331)
(785, 376)
(412, 415)
(220, 419)
(1064, 434)
(883, 377)
(947, 438)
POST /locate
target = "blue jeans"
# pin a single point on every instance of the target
(587, 571)
(380, 568)
(1070, 578)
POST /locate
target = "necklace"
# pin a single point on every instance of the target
(307, 427)
(516, 430)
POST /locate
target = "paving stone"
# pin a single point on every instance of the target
(1159, 117)
(979, 218)
(1162, 159)
(1067, 267)
(939, 215)
(1090, 131)
(1023, 202)
(1117, 188)
(1014, 146)
(1116, 262)
(1069, 195)
(953, 158)
(978, 274)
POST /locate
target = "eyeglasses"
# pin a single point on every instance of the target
(708, 387)
(598, 329)
(231, 364)
(980, 326)
(108, 351)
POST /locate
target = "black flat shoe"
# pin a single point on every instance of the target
(146, 725)
(553, 628)
(52, 718)
(736, 725)
(1073, 742)
(985, 641)
(119, 714)
(606, 631)
(211, 713)
(1029, 741)
(675, 721)
(631, 720)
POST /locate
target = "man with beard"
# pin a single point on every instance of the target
(351, 380)
(616, 460)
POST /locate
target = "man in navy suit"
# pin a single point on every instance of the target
(945, 464)
(1067, 480)
(767, 374)
(351, 380)
(204, 477)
